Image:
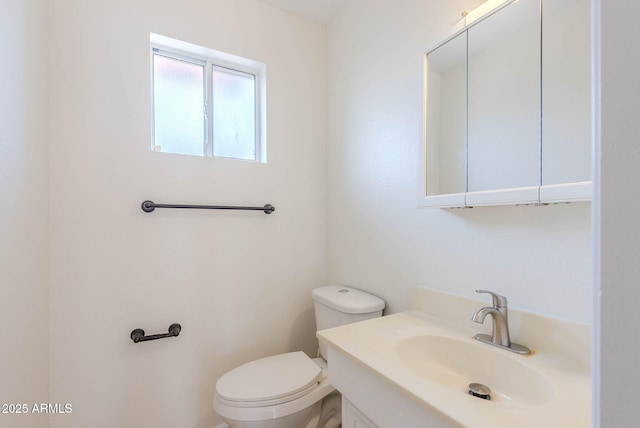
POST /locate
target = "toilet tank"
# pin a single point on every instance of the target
(336, 305)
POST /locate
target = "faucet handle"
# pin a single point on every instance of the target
(498, 300)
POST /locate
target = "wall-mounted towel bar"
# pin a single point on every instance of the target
(137, 335)
(149, 206)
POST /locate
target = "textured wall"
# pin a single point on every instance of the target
(238, 282)
(540, 257)
(24, 304)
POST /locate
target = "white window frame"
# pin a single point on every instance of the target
(211, 59)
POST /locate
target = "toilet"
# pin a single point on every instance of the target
(291, 390)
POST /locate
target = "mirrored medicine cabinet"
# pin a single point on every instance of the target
(508, 107)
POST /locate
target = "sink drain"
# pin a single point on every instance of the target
(479, 390)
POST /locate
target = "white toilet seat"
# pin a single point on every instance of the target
(269, 379)
(271, 387)
(272, 402)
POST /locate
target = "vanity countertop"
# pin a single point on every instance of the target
(377, 345)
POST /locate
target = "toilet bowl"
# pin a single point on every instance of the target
(282, 391)
(291, 390)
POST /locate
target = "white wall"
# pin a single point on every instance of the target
(24, 310)
(238, 282)
(617, 228)
(540, 257)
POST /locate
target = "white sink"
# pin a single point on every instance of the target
(403, 369)
(457, 363)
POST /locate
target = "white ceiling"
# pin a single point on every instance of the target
(319, 11)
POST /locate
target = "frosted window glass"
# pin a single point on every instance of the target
(178, 106)
(234, 114)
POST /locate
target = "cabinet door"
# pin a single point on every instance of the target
(354, 418)
(504, 99)
(566, 92)
(447, 118)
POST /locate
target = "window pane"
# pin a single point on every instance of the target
(234, 114)
(178, 105)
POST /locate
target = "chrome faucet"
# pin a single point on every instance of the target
(500, 333)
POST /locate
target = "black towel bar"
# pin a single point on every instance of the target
(149, 206)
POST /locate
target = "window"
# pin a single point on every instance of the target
(205, 102)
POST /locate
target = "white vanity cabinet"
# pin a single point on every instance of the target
(370, 401)
(354, 418)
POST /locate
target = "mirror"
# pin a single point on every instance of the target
(508, 107)
(504, 97)
(566, 92)
(447, 118)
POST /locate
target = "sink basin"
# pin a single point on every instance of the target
(456, 363)
(420, 366)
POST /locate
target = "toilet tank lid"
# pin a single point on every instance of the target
(348, 300)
